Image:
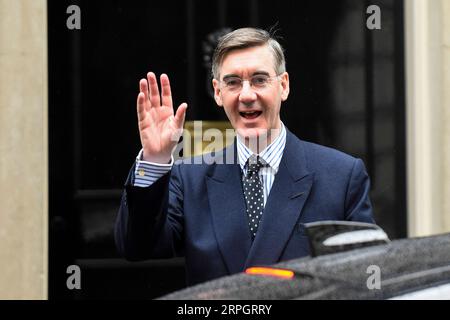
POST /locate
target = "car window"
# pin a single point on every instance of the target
(440, 292)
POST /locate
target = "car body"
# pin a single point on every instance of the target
(413, 268)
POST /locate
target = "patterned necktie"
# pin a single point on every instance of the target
(253, 193)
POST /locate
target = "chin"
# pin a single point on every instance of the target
(252, 133)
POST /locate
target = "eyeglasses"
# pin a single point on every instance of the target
(257, 82)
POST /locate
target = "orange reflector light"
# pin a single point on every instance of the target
(280, 273)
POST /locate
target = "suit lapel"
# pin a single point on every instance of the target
(227, 204)
(287, 198)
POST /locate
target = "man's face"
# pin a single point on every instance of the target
(252, 111)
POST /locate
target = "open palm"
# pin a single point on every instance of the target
(159, 127)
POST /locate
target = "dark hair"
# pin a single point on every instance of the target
(246, 38)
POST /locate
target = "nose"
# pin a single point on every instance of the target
(247, 94)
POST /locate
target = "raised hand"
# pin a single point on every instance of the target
(159, 127)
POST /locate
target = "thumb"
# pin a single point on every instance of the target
(180, 115)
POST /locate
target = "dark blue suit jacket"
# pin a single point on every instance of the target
(198, 210)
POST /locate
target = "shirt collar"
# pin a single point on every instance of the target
(270, 156)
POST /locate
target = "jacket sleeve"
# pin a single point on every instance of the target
(357, 202)
(149, 223)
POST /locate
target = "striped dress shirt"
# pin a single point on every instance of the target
(270, 157)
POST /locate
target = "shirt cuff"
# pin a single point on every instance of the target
(146, 173)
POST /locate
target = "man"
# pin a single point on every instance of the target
(226, 217)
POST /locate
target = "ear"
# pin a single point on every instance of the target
(284, 86)
(217, 92)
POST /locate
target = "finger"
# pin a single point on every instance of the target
(143, 88)
(166, 94)
(180, 115)
(154, 91)
(141, 101)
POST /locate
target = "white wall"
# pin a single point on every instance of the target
(23, 149)
(428, 114)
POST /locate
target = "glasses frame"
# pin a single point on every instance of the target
(270, 78)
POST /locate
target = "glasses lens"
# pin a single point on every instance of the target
(260, 81)
(233, 83)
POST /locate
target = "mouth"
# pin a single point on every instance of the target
(250, 114)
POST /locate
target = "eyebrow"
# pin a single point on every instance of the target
(253, 74)
(230, 76)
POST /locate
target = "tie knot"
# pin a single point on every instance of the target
(254, 163)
